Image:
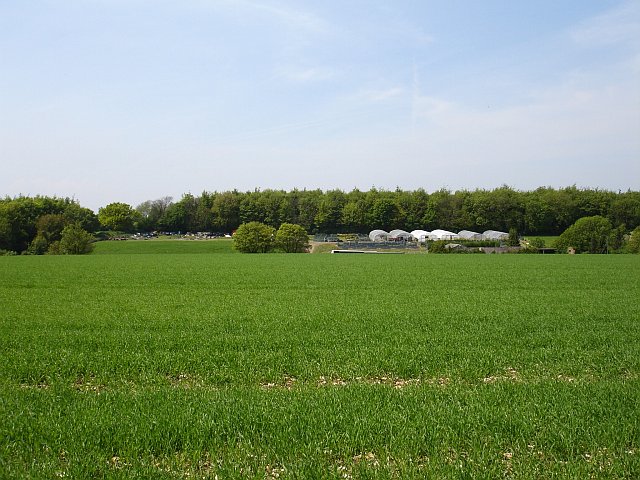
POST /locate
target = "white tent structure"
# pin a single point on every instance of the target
(420, 235)
(443, 235)
(378, 236)
(495, 235)
(469, 235)
(399, 235)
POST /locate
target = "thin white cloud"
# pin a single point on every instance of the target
(620, 25)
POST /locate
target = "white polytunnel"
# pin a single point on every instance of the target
(469, 235)
(420, 235)
(399, 235)
(378, 236)
(495, 235)
(439, 234)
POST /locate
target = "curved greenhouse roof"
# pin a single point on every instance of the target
(399, 234)
(420, 235)
(439, 234)
(378, 235)
(495, 235)
(469, 235)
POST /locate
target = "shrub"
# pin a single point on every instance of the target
(292, 238)
(38, 246)
(537, 243)
(75, 241)
(634, 241)
(254, 237)
(588, 234)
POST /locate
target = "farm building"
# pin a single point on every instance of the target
(443, 235)
(399, 235)
(469, 235)
(378, 236)
(420, 235)
(495, 235)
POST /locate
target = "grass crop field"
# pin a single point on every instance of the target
(221, 245)
(319, 366)
(548, 241)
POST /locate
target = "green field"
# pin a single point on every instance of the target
(221, 245)
(549, 242)
(319, 366)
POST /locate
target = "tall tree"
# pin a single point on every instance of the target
(117, 216)
(151, 211)
(226, 211)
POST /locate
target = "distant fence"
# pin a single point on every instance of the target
(377, 245)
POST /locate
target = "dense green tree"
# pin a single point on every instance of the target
(226, 211)
(5, 229)
(587, 234)
(308, 204)
(625, 209)
(251, 210)
(50, 226)
(634, 241)
(384, 214)
(75, 240)
(49, 230)
(444, 208)
(289, 207)
(254, 237)
(203, 217)
(150, 212)
(536, 213)
(329, 211)
(181, 216)
(18, 217)
(292, 238)
(85, 217)
(118, 216)
(514, 238)
(354, 216)
(270, 206)
(544, 211)
(39, 245)
(617, 238)
(413, 206)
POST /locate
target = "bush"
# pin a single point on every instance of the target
(537, 243)
(634, 241)
(292, 238)
(38, 246)
(588, 234)
(254, 237)
(75, 241)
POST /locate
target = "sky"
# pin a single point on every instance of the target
(133, 100)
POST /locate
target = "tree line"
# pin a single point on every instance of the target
(544, 211)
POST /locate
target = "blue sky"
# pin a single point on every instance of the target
(129, 100)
